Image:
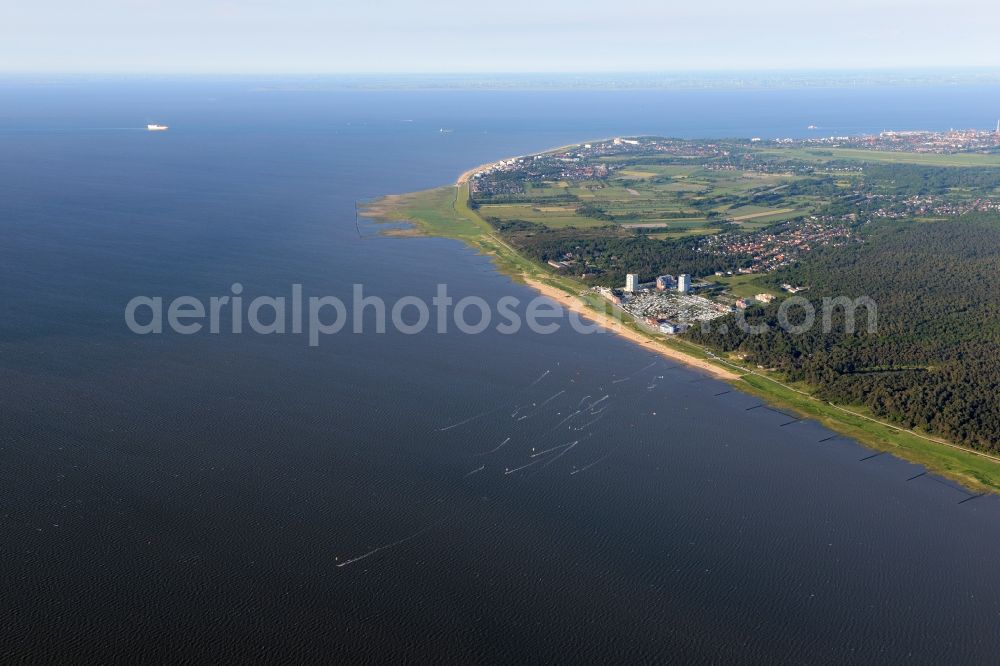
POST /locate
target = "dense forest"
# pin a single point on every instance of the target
(914, 179)
(608, 253)
(934, 360)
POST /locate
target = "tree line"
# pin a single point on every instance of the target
(934, 360)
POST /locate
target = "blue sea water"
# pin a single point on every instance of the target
(193, 496)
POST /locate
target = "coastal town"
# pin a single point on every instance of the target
(716, 213)
(667, 305)
(671, 305)
(573, 162)
(941, 143)
(770, 249)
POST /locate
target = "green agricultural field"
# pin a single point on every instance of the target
(553, 216)
(635, 173)
(675, 200)
(755, 217)
(683, 232)
(822, 155)
(742, 286)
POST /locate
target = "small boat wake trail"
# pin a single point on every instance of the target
(397, 542)
(625, 379)
(499, 446)
(471, 419)
(554, 448)
(544, 375)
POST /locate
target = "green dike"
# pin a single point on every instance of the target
(976, 472)
(445, 212)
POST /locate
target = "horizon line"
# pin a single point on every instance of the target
(486, 72)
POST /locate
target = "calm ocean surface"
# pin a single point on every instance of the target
(192, 496)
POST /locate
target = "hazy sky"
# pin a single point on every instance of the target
(307, 36)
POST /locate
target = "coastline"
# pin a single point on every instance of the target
(444, 212)
(464, 177)
(613, 325)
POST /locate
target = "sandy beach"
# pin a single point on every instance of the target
(611, 324)
(466, 175)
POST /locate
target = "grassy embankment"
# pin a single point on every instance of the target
(445, 212)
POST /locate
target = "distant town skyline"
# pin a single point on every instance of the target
(516, 36)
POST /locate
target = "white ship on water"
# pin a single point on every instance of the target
(153, 127)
